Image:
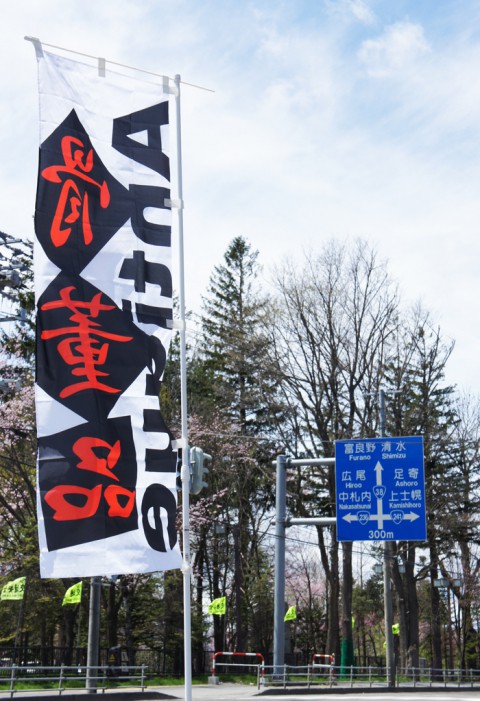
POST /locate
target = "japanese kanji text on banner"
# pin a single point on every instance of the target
(103, 286)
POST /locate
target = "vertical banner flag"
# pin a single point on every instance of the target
(13, 591)
(103, 287)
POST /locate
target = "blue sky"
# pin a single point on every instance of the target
(330, 118)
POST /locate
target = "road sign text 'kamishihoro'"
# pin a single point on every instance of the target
(380, 489)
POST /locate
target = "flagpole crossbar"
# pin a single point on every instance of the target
(103, 61)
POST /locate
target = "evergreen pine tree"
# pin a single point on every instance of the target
(230, 386)
(234, 346)
(421, 404)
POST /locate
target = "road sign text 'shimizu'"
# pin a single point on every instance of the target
(380, 489)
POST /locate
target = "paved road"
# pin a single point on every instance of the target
(233, 692)
(237, 692)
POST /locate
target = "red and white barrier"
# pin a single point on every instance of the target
(237, 654)
(327, 663)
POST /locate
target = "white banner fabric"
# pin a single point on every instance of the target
(106, 472)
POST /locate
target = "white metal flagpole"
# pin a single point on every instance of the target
(185, 471)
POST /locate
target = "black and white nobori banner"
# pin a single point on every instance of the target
(103, 285)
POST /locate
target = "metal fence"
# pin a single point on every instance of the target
(15, 679)
(366, 677)
(160, 662)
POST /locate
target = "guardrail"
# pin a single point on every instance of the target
(366, 677)
(58, 679)
(301, 675)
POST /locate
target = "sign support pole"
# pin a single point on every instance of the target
(387, 579)
(281, 524)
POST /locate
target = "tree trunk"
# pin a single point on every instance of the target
(239, 614)
(112, 616)
(69, 616)
(436, 626)
(412, 612)
(128, 627)
(218, 621)
(333, 597)
(198, 641)
(347, 653)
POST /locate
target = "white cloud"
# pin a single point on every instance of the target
(399, 47)
(358, 9)
(361, 11)
(301, 141)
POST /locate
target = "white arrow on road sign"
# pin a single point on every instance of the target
(379, 492)
(362, 517)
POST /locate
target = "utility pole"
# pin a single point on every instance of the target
(387, 579)
(279, 603)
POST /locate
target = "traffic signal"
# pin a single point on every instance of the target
(198, 469)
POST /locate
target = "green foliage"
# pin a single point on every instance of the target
(19, 345)
(234, 345)
(289, 373)
(230, 388)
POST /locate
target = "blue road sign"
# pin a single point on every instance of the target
(380, 489)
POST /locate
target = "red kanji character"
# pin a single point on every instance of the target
(64, 510)
(80, 348)
(84, 449)
(73, 200)
(112, 494)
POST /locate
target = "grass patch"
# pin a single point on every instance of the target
(119, 682)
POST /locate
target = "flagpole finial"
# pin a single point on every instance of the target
(37, 45)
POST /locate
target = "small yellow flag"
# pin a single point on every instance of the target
(218, 606)
(73, 595)
(13, 590)
(291, 614)
(396, 629)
